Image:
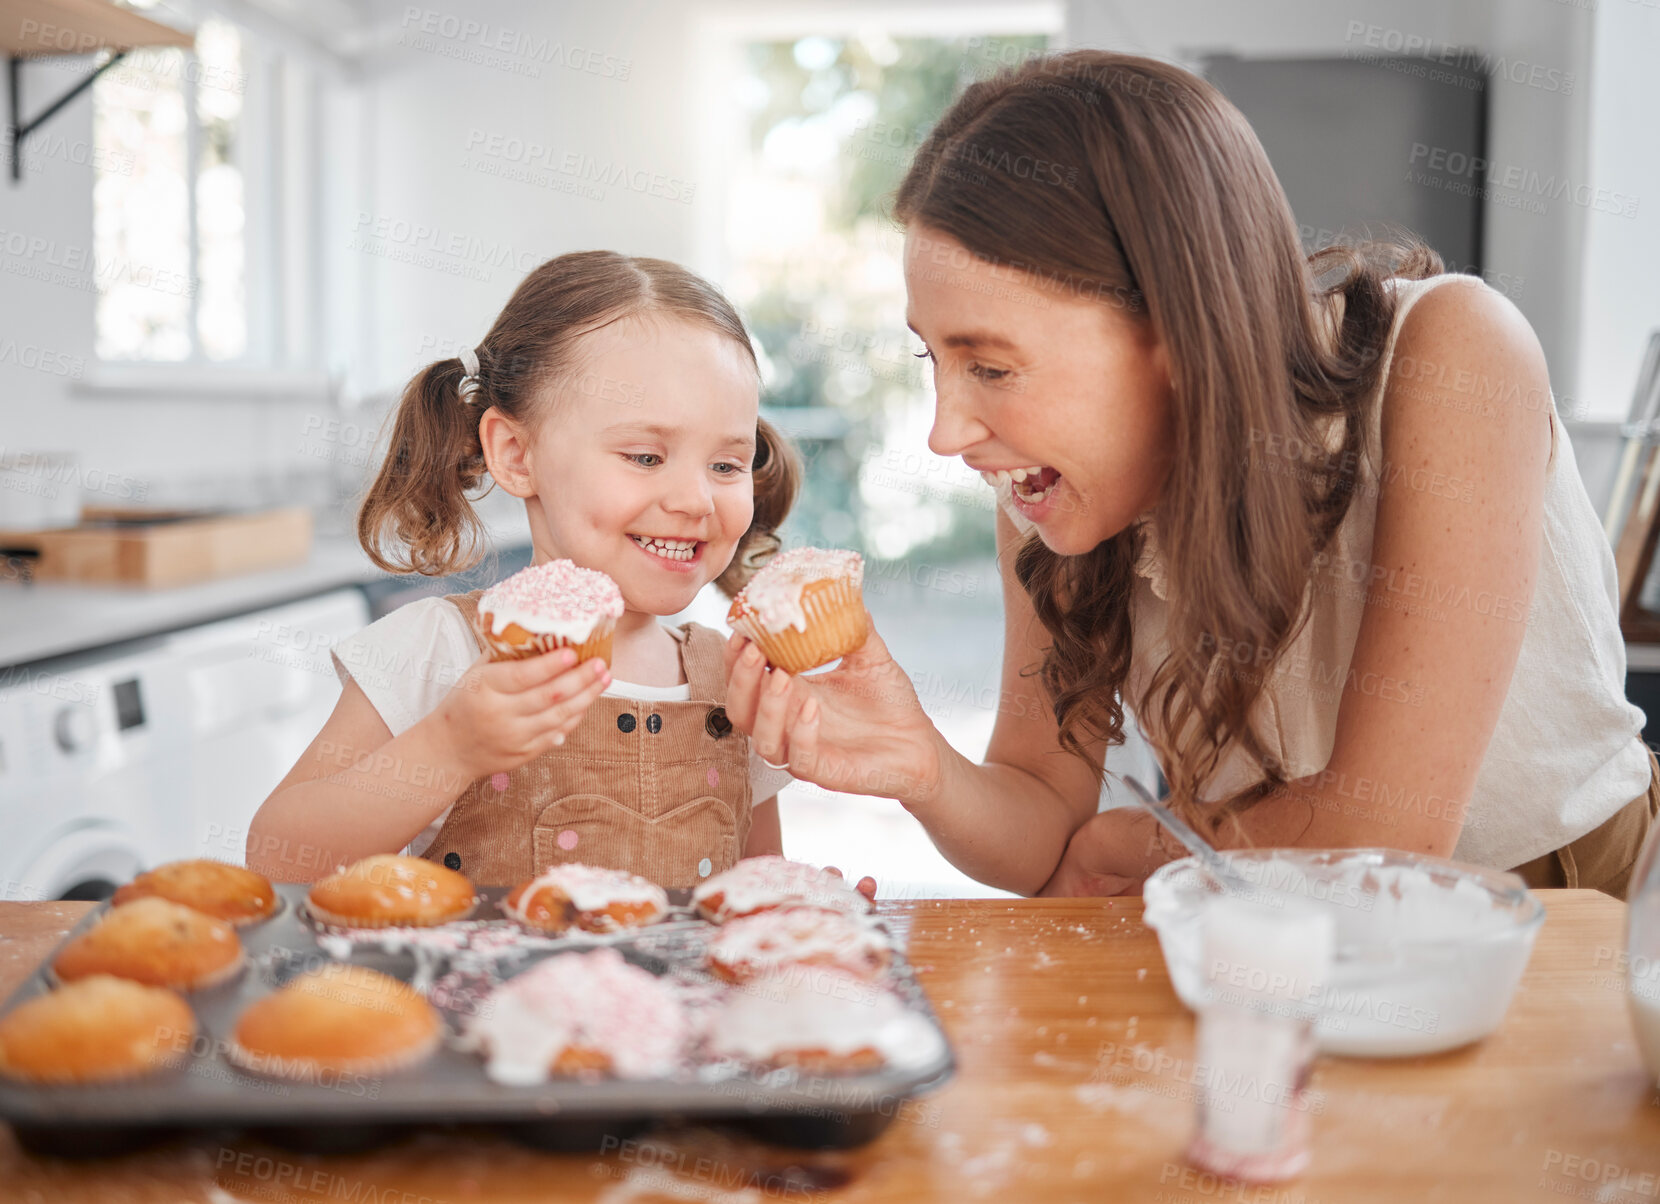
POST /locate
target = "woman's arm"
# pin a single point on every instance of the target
(765, 835)
(1460, 523)
(861, 729)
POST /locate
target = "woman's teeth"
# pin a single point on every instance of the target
(668, 549)
(1030, 485)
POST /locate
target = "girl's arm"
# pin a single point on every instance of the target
(358, 790)
(861, 729)
(765, 836)
(1466, 443)
(354, 792)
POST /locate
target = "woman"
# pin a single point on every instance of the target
(1316, 522)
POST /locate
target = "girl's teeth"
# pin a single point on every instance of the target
(668, 549)
(1018, 475)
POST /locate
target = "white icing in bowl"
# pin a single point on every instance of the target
(1429, 951)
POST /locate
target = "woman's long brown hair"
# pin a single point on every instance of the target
(1135, 183)
(418, 515)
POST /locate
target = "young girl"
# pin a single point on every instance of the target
(1316, 521)
(618, 397)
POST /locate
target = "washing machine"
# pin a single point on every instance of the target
(116, 760)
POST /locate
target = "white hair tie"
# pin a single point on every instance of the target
(469, 381)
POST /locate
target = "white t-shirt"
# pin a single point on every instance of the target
(408, 660)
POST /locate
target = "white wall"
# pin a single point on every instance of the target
(1620, 288)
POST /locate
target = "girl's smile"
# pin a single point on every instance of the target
(647, 478)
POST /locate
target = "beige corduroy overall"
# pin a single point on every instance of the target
(657, 788)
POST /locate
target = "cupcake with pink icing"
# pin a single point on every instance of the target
(547, 606)
(772, 945)
(589, 897)
(770, 882)
(585, 1014)
(804, 608)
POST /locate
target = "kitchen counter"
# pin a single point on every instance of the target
(51, 618)
(1076, 1083)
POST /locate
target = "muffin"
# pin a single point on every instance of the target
(215, 888)
(99, 1029)
(803, 608)
(831, 1024)
(764, 883)
(586, 897)
(156, 942)
(584, 1014)
(548, 606)
(387, 890)
(774, 945)
(340, 1019)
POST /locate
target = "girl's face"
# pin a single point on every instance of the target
(641, 468)
(1072, 396)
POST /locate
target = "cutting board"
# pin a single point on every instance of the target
(113, 547)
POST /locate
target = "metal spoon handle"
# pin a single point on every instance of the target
(1214, 862)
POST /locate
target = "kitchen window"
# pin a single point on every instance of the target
(203, 189)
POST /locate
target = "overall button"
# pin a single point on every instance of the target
(654, 723)
(453, 860)
(716, 723)
(625, 723)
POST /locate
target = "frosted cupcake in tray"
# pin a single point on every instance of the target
(804, 608)
(586, 897)
(548, 606)
(771, 945)
(764, 883)
(828, 1024)
(584, 1014)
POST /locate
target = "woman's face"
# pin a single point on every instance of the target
(1072, 395)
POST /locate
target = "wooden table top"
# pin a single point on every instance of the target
(1075, 1083)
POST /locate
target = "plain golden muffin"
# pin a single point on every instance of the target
(96, 1030)
(155, 942)
(342, 1018)
(215, 888)
(388, 889)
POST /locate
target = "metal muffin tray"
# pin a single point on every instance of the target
(348, 1112)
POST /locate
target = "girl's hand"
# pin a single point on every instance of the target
(866, 886)
(858, 728)
(1112, 853)
(502, 714)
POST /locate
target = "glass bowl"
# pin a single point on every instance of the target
(1429, 951)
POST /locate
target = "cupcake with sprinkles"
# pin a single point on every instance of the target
(767, 883)
(804, 608)
(771, 945)
(585, 897)
(580, 1014)
(549, 606)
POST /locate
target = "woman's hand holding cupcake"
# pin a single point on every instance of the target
(858, 728)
